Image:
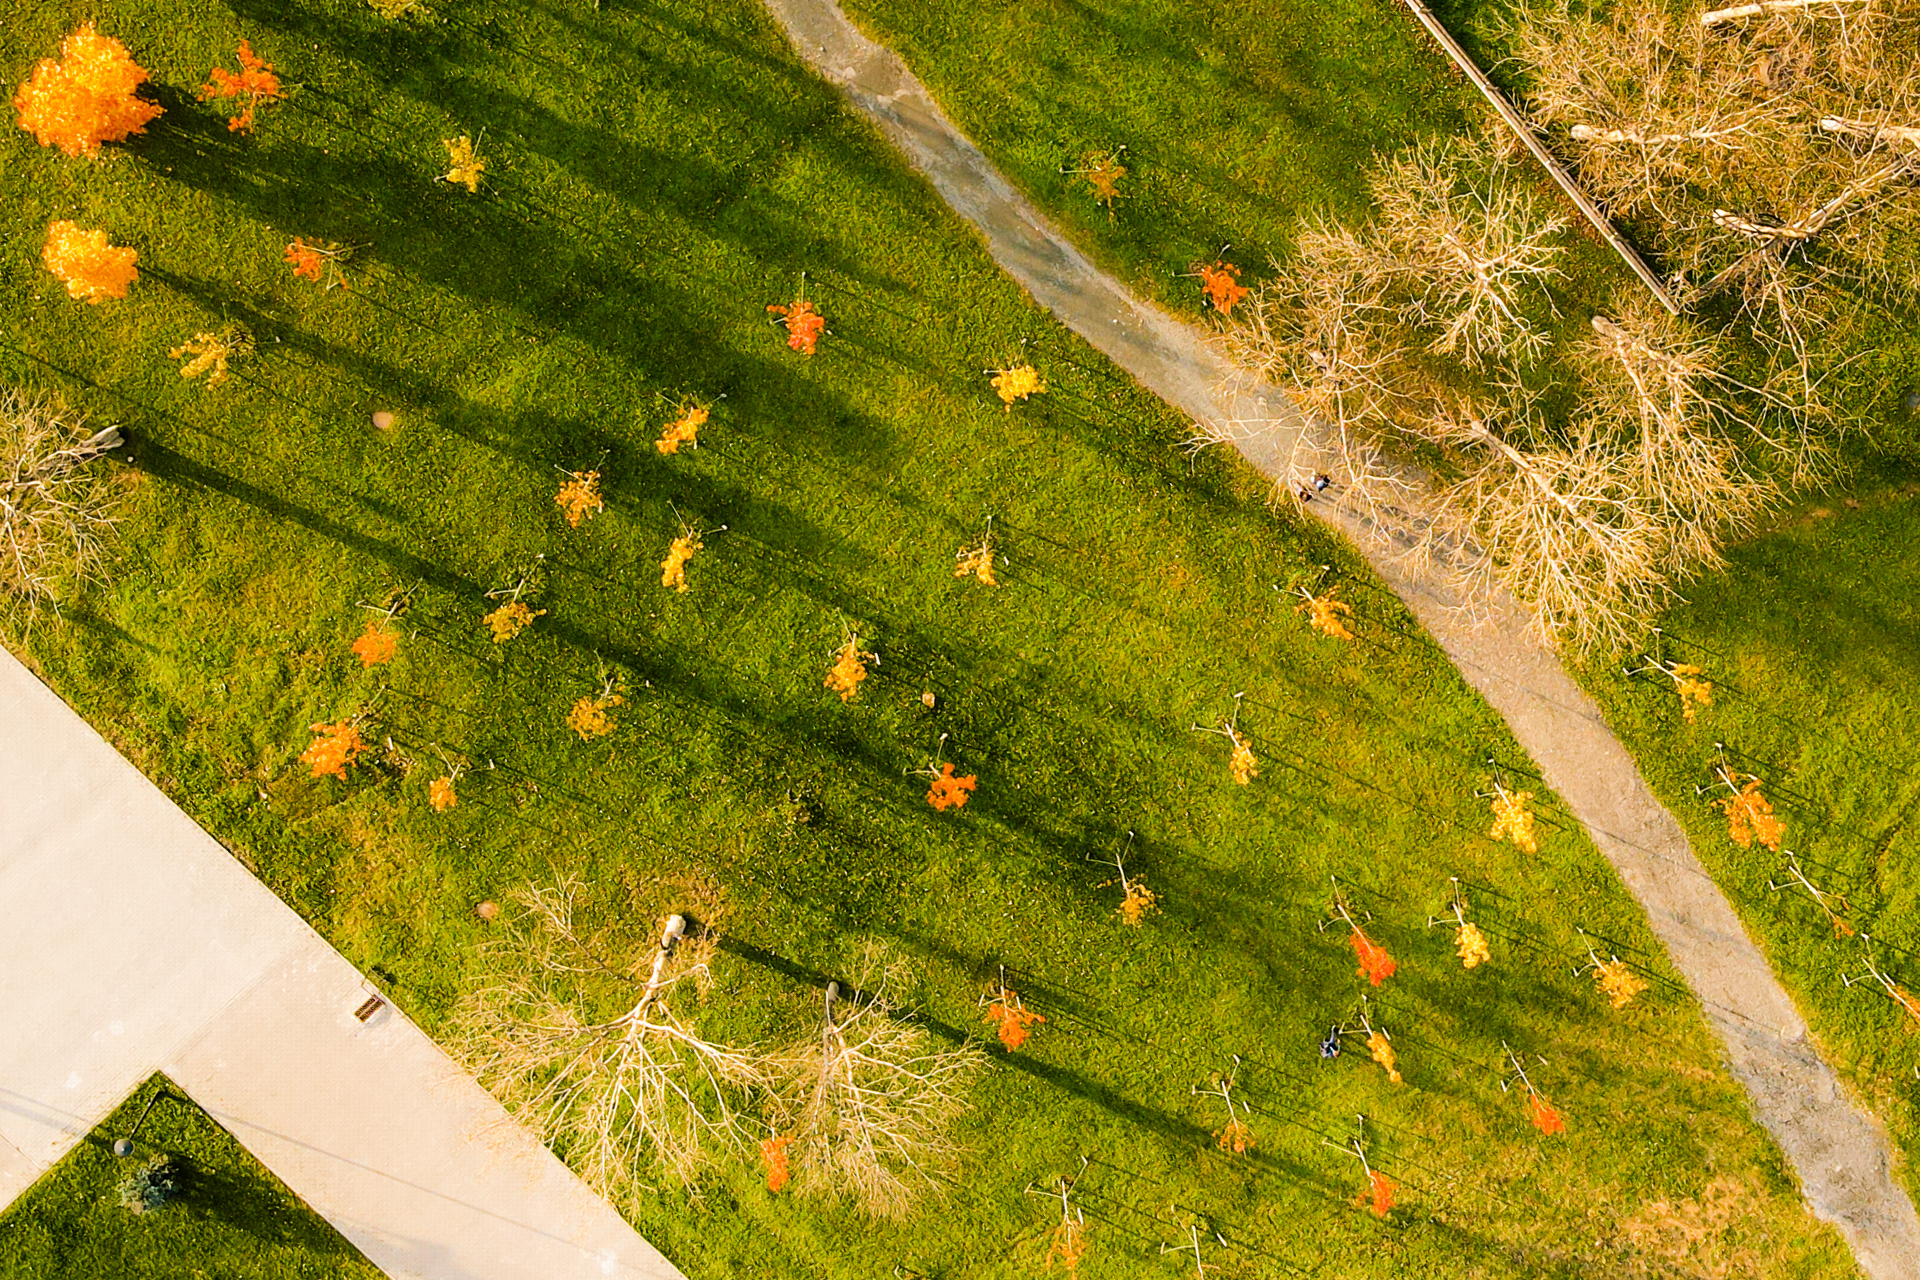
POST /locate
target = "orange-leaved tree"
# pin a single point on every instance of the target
(1008, 1014)
(92, 269)
(1376, 966)
(1512, 818)
(376, 644)
(773, 1154)
(976, 560)
(1067, 1239)
(1138, 900)
(804, 325)
(253, 86)
(1542, 1113)
(1469, 941)
(1378, 1197)
(592, 716)
(1017, 383)
(1326, 614)
(684, 430)
(1613, 976)
(1242, 763)
(1749, 814)
(1102, 171)
(465, 164)
(510, 619)
(87, 97)
(579, 498)
(673, 570)
(849, 668)
(319, 261)
(1380, 1048)
(210, 354)
(334, 749)
(1220, 281)
(1236, 1135)
(948, 790)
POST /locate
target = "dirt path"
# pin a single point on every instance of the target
(1840, 1153)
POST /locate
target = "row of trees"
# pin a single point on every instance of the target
(1418, 345)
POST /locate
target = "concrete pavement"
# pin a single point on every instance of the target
(132, 942)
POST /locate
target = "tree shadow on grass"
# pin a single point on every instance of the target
(251, 1202)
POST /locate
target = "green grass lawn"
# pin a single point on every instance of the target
(660, 174)
(1191, 89)
(1812, 639)
(232, 1219)
(1239, 121)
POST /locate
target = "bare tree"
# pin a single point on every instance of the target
(1562, 527)
(55, 510)
(1651, 104)
(583, 1044)
(1656, 384)
(1471, 247)
(1330, 333)
(1775, 143)
(871, 1103)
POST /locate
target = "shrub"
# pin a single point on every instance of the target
(152, 1184)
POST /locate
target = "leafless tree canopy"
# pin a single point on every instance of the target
(593, 1046)
(55, 508)
(1560, 526)
(870, 1102)
(1470, 245)
(1413, 347)
(1657, 390)
(1773, 147)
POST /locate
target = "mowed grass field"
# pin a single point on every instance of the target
(231, 1218)
(660, 175)
(1196, 93)
(1809, 637)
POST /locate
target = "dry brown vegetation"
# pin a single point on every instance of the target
(1770, 148)
(55, 509)
(1413, 346)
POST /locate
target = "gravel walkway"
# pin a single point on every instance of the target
(1840, 1153)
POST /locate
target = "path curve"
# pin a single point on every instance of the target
(132, 942)
(1841, 1154)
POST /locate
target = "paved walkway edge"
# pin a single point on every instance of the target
(132, 942)
(1840, 1153)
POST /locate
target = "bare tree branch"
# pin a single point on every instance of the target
(872, 1101)
(1468, 241)
(55, 510)
(593, 1057)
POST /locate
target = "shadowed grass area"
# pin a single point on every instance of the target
(660, 174)
(230, 1218)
